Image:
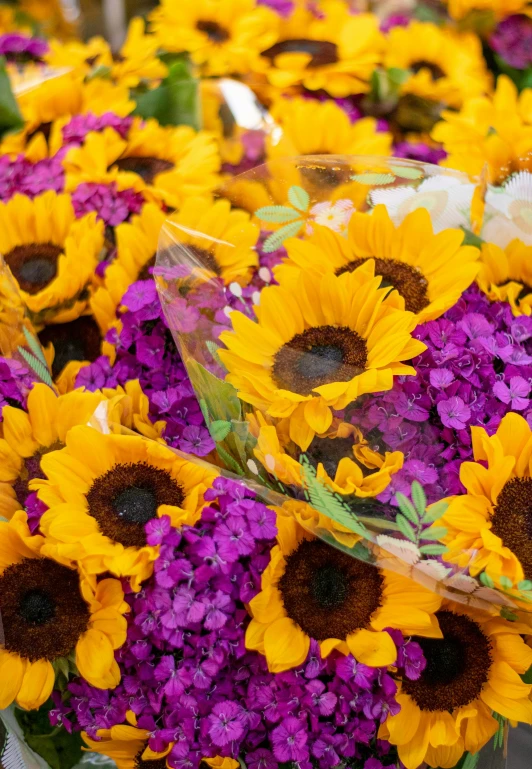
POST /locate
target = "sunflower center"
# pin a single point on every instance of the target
(125, 498)
(319, 356)
(154, 763)
(214, 31)
(436, 72)
(145, 273)
(322, 52)
(328, 593)
(512, 520)
(42, 609)
(457, 668)
(206, 259)
(145, 166)
(329, 453)
(37, 607)
(409, 282)
(78, 340)
(34, 265)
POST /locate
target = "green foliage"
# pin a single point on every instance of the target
(373, 179)
(219, 429)
(405, 172)
(277, 214)
(276, 239)
(413, 518)
(57, 747)
(37, 366)
(299, 198)
(10, 117)
(176, 100)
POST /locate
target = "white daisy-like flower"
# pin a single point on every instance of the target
(446, 198)
(335, 216)
(508, 213)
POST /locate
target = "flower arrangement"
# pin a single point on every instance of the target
(265, 423)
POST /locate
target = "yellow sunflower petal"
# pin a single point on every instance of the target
(375, 649)
(12, 670)
(285, 645)
(37, 685)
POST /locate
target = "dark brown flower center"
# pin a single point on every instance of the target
(322, 52)
(324, 176)
(31, 468)
(203, 258)
(145, 166)
(319, 356)
(78, 340)
(411, 283)
(145, 273)
(154, 763)
(43, 611)
(458, 665)
(127, 497)
(328, 593)
(415, 113)
(214, 31)
(436, 72)
(34, 265)
(329, 452)
(42, 128)
(512, 520)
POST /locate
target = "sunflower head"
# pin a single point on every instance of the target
(323, 128)
(473, 669)
(222, 38)
(506, 275)
(317, 346)
(489, 527)
(48, 610)
(51, 254)
(118, 484)
(310, 590)
(429, 271)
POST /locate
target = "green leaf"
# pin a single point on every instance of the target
(220, 398)
(434, 533)
(397, 76)
(406, 172)
(435, 512)
(59, 749)
(405, 528)
(204, 411)
(525, 584)
(213, 348)
(10, 117)
(470, 761)
(34, 346)
(275, 240)
(486, 580)
(240, 429)
(407, 508)
(175, 101)
(470, 239)
(299, 197)
(527, 677)
(37, 366)
(219, 429)
(506, 582)
(373, 178)
(277, 214)
(433, 549)
(228, 461)
(508, 614)
(418, 498)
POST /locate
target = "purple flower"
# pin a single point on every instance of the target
(441, 378)
(196, 440)
(261, 759)
(139, 295)
(20, 48)
(226, 723)
(282, 7)
(516, 394)
(512, 40)
(112, 205)
(290, 741)
(157, 530)
(454, 412)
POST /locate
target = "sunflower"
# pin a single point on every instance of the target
(311, 590)
(506, 275)
(488, 526)
(79, 56)
(473, 670)
(318, 346)
(103, 489)
(497, 9)
(222, 38)
(68, 347)
(494, 130)
(28, 436)
(444, 66)
(323, 128)
(338, 52)
(43, 102)
(51, 254)
(48, 610)
(168, 164)
(429, 271)
(342, 459)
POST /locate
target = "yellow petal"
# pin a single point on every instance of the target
(285, 645)
(12, 669)
(17, 431)
(94, 656)
(372, 648)
(318, 415)
(37, 685)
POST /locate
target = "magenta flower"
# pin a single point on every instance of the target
(454, 412)
(516, 394)
(290, 741)
(226, 723)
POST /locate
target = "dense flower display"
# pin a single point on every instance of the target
(266, 384)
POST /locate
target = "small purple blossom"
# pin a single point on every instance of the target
(515, 394)
(454, 412)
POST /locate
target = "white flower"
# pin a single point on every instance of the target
(252, 465)
(508, 213)
(335, 216)
(447, 199)
(265, 274)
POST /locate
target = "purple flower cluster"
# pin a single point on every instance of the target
(75, 131)
(190, 681)
(283, 7)
(419, 151)
(477, 367)
(27, 178)
(19, 48)
(15, 383)
(112, 205)
(512, 41)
